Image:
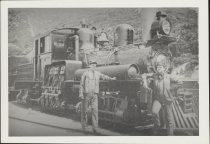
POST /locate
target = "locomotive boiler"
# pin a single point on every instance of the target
(61, 57)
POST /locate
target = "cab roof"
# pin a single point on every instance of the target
(58, 31)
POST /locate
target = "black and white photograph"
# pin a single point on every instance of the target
(104, 71)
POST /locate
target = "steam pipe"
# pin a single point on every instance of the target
(114, 52)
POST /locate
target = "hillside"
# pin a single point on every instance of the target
(24, 24)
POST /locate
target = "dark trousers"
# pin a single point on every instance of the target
(167, 107)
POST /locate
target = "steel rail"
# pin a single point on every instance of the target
(52, 126)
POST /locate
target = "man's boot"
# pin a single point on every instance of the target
(170, 131)
(156, 131)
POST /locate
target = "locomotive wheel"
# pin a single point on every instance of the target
(63, 105)
(57, 104)
(78, 107)
(18, 97)
(52, 102)
(49, 103)
(42, 102)
(46, 102)
(25, 98)
(22, 96)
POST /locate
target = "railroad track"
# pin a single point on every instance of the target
(112, 129)
(36, 116)
(53, 126)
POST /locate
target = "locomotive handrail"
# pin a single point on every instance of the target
(113, 52)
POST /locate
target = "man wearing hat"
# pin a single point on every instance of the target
(162, 97)
(89, 89)
(161, 15)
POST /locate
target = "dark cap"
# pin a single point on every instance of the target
(160, 13)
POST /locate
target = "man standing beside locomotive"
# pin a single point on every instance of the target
(89, 89)
(162, 97)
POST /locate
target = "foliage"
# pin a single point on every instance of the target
(185, 24)
(19, 32)
(187, 57)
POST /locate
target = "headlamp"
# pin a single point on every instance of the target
(166, 27)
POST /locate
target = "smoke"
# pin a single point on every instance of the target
(147, 17)
(186, 71)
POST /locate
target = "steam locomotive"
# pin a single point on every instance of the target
(61, 57)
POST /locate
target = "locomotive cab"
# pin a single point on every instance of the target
(54, 46)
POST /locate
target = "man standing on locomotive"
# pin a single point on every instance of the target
(89, 89)
(162, 97)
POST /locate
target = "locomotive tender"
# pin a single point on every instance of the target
(61, 57)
